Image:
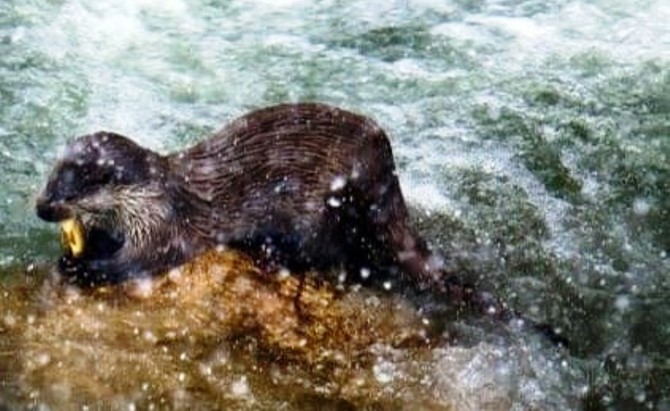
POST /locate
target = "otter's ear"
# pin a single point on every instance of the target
(126, 162)
(117, 160)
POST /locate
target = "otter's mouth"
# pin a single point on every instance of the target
(89, 242)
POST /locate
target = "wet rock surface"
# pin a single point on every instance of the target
(220, 332)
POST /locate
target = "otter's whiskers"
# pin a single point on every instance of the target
(141, 212)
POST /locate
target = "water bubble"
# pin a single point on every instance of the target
(205, 370)
(150, 337)
(43, 359)
(174, 274)
(622, 302)
(240, 387)
(365, 273)
(141, 288)
(284, 273)
(384, 371)
(641, 206)
(334, 202)
(338, 183)
(641, 396)
(10, 320)
(342, 277)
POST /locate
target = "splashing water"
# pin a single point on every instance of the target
(531, 137)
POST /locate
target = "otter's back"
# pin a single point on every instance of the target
(284, 148)
(281, 168)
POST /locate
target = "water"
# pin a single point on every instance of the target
(532, 138)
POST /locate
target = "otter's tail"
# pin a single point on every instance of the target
(463, 294)
(429, 274)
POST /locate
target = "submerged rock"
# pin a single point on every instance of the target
(222, 333)
(217, 330)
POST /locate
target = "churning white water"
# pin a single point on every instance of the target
(532, 140)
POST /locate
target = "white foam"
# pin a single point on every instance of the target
(581, 27)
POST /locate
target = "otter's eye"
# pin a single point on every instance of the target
(74, 181)
(99, 177)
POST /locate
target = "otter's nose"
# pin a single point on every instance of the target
(51, 211)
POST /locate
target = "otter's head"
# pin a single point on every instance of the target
(108, 190)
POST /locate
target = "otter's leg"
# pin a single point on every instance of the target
(384, 215)
(396, 241)
(390, 227)
(424, 269)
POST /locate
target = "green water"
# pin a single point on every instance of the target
(532, 138)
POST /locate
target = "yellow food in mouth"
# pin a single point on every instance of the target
(72, 236)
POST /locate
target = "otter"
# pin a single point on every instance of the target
(308, 186)
(304, 186)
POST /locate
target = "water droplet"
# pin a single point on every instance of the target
(334, 202)
(342, 277)
(338, 183)
(10, 320)
(641, 206)
(622, 302)
(150, 337)
(640, 396)
(141, 288)
(240, 387)
(43, 359)
(284, 273)
(384, 372)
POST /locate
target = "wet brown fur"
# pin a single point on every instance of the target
(301, 185)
